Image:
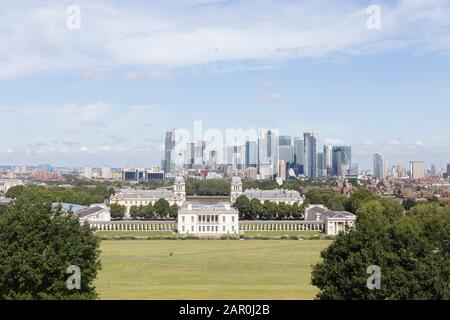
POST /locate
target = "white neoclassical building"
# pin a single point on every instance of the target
(335, 221)
(220, 218)
(94, 213)
(277, 196)
(137, 197)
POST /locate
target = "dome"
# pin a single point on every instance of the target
(179, 179)
(236, 180)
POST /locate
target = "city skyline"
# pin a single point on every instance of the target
(71, 102)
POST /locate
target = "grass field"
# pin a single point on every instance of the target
(212, 269)
(162, 234)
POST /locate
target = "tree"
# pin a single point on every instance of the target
(36, 249)
(117, 211)
(411, 252)
(15, 192)
(359, 197)
(242, 204)
(256, 209)
(134, 212)
(173, 212)
(162, 208)
(408, 203)
(148, 211)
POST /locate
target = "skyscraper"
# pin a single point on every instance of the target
(321, 165)
(378, 166)
(448, 169)
(299, 155)
(328, 159)
(341, 159)
(286, 151)
(169, 147)
(251, 154)
(268, 152)
(310, 156)
(417, 169)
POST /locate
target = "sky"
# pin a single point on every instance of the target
(99, 82)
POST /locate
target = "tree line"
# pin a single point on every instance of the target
(255, 210)
(160, 210)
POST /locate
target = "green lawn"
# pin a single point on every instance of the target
(209, 269)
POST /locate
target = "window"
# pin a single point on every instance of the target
(217, 228)
(232, 228)
(192, 218)
(223, 229)
(207, 228)
(182, 228)
(232, 218)
(223, 218)
(192, 228)
(182, 218)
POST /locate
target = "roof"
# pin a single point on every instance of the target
(66, 207)
(280, 194)
(88, 211)
(221, 207)
(144, 194)
(330, 214)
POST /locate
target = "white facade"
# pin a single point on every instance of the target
(277, 196)
(135, 197)
(208, 220)
(6, 184)
(335, 221)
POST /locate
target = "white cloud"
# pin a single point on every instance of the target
(333, 141)
(180, 33)
(273, 97)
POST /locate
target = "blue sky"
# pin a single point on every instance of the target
(106, 93)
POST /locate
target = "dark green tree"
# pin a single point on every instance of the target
(117, 211)
(162, 208)
(408, 203)
(242, 204)
(409, 250)
(36, 249)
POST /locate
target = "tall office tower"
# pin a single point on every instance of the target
(401, 171)
(87, 173)
(353, 170)
(417, 169)
(448, 169)
(385, 168)
(310, 157)
(282, 169)
(378, 170)
(189, 155)
(169, 147)
(268, 152)
(286, 151)
(106, 172)
(251, 154)
(341, 159)
(328, 159)
(321, 171)
(299, 155)
(199, 152)
(433, 171)
(236, 157)
(213, 160)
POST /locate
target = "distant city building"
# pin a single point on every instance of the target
(106, 172)
(417, 169)
(299, 155)
(448, 170)
(208, 220)
(342, 157)
(328, 159)
(322, 172)
(169, 149)
(310, 155)
(251, 154)
(379, 170)
(87, 172)
(282, 169)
